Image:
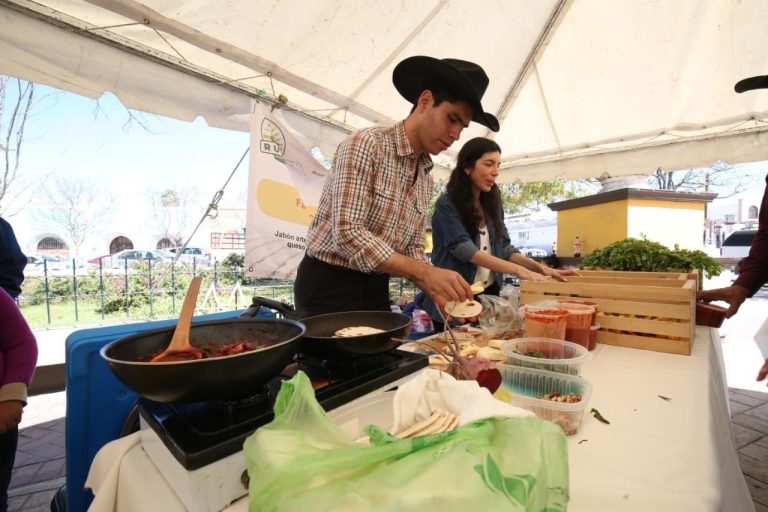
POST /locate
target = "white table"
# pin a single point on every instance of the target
(656, 455)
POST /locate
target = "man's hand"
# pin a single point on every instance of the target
(734, 295)
(10, 415)
(763, 371)
(443, 285)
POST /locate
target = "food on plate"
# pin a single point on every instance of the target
(495, 343)
(358, 330)
(466, 309)
(477, 287)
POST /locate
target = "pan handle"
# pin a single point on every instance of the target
(259, 302)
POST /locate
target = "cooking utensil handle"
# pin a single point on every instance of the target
(180, 339)
(281, 307)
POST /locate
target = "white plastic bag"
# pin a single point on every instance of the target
(499, 316)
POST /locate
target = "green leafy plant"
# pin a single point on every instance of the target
(647, 256)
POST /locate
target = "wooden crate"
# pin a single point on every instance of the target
(647, 310)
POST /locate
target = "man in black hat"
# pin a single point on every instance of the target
(753, 270)
(370, 221)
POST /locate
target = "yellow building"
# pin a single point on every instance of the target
(663, 216)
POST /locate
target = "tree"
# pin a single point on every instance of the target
(78, 206)
(16, 100)
(519, 196)
(718, 177)
(171, 212)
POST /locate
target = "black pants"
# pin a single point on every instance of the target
(8, 443)
(322, 288)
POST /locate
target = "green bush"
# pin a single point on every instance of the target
(647, 256)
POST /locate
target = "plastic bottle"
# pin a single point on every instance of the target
(510, 293)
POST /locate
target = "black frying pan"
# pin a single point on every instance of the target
(226, 378)
(319, 340)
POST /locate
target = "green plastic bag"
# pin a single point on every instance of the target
(303, 461)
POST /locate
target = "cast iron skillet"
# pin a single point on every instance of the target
(319, 340)
(224, 378)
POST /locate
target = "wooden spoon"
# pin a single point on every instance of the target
(179, 349)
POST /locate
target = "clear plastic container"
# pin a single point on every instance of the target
(578, 322)
(546, 354)
(585, 302)
(523, 387)
(545, 322)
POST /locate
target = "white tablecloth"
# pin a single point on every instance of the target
(656, 455)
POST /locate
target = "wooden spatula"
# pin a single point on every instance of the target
(179, 348)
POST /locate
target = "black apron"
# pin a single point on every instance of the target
(322, 288)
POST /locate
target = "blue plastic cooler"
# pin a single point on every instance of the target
(97, 403)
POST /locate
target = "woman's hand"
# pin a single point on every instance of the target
(532, 276)
(10, 415)
(556, 274)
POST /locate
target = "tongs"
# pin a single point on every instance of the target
(450, 340)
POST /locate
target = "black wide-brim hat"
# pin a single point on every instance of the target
(465, 79)
(753, 82)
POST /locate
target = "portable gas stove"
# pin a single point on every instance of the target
(198, 446)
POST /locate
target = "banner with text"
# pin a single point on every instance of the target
(284, 186)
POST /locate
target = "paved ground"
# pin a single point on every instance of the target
(39, 469)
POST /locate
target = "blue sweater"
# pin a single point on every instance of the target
(452, 247)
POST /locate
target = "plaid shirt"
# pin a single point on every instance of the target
(371, 207)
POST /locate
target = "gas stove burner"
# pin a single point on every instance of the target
(198, 434)
(255, 400)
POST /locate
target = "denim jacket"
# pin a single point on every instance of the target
(452, 246)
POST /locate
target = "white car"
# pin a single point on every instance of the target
(737, 244)
(532, 252)
(197, 255)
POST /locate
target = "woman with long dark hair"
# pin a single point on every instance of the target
(468, 231)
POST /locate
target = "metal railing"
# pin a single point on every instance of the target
(79, 296)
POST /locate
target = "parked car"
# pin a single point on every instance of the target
(532, 252)
(133, 256)
(40, 258)
(197, 254)
(737, 244)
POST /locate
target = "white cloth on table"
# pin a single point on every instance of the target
(434, 390)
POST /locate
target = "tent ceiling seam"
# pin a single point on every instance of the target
(68, 23)
(544, 37)
(134, 11)
(405, 42)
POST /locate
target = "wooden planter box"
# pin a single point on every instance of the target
(647, 310)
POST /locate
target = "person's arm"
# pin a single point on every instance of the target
(535, 266)
(483, 259)
(19, 353)
(753, 270)
(734, 295)
(441, 284)
(12, 260)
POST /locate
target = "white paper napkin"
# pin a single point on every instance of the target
(432, 389)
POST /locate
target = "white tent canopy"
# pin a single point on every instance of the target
(581, 87)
